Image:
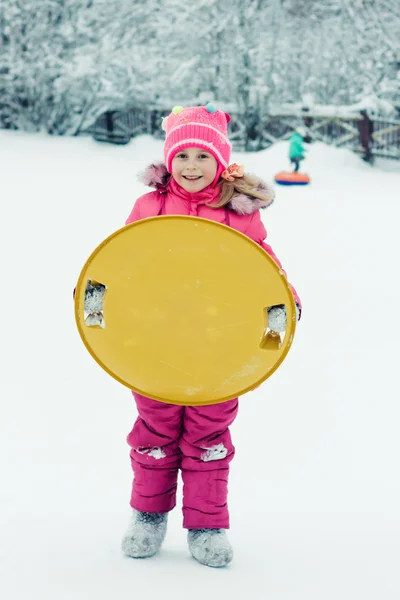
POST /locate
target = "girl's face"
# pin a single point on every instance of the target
(194, 169)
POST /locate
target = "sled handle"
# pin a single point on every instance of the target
(270, 340)
(94, 299)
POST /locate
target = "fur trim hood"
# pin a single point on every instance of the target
(157, 177)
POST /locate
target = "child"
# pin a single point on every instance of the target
(195, 180)
(296, 147)
(366, 129)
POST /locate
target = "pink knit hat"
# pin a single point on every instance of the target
(199, 127)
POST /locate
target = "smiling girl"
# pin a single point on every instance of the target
(197, 180)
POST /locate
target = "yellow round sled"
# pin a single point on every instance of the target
(184, 310)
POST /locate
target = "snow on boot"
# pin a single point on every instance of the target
(210, 547)
(145, 534)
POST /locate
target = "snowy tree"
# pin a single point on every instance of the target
(65, 62)
(39, 43)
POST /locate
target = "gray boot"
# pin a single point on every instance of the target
(210, 547)
(145, 534)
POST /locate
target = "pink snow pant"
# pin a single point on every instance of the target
(195, 439)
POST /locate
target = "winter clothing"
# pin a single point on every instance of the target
(366, 129)
(210, 547)
(296, 161)
(195, 439)
(200, 127)
(277, 317)
(93, 304)
(296, 147)
(242, 212)
(94, 295)
(145, 534)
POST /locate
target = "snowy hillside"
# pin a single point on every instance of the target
(314, 489)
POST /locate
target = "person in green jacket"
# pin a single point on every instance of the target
(296, 147)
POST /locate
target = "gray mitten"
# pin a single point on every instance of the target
(277, 317)
(93, 304)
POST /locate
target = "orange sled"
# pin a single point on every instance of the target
(292, 178)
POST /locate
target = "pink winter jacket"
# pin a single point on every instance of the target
(242, 213)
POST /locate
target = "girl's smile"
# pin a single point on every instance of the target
(194, 169)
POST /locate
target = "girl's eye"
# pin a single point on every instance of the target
(181, 155)
(203, 155)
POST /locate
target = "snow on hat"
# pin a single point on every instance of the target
(198, 127)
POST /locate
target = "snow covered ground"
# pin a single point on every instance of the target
(314, 492)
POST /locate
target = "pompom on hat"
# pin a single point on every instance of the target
(198, 127)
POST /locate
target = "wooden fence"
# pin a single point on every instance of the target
(341, 132)
(253, 134)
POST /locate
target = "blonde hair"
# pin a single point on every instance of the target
(249, 185)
